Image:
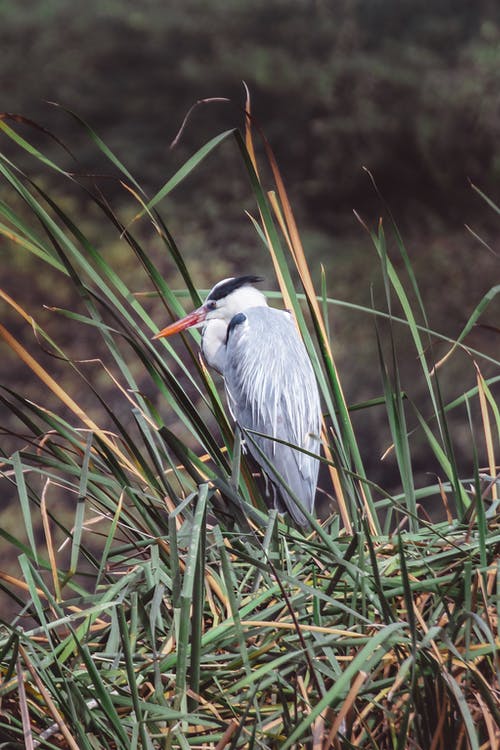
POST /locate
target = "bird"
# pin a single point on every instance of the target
(270, 385)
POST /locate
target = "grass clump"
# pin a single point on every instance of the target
(157, 604)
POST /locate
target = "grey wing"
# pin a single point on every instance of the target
(271, 389)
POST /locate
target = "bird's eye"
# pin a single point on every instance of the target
(211, 304)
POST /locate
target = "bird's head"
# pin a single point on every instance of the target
(227, 298)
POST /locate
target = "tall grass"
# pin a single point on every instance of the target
(170, 609)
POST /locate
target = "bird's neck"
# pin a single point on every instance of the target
(214, 343)
(214, 335)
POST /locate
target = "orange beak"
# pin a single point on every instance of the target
(194, 318)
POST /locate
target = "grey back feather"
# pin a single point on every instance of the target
(271, 388)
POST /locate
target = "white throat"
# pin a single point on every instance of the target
(214, 333)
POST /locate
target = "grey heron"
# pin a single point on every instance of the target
(270, 385)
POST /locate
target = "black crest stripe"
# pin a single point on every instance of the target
(222, 290)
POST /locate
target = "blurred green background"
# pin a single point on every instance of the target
(406, 88)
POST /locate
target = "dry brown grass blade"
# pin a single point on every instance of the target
(491, 726)
(248, 130)
(438, 741)
(277, 270)
(446, 357)
(22, 585)
(140, 214)
(48, 701)
(280, 625)
(359, 724)
(345, 708)
(294, 242)
(488, 436)
(273, 200)
(425, 629)
(251, 152)
(318, 732)
(19, 310)
(200, 102)
(444, 498)
(48, 540)
(337, 486)
(23, 706)
(226, 737)
(125, 392)
(303, 691)
(65, 398)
